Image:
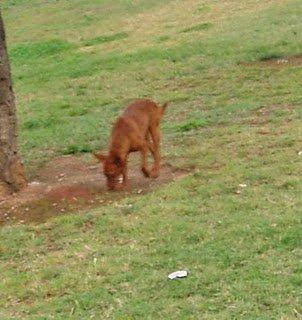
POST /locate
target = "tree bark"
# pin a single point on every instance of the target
(12, 175)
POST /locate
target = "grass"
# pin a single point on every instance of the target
(191, 125)
(106, 38)
(31, 51)
(75, 66)
(198, 27)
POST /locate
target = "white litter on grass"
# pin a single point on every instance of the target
(178, 274)
(34, 183)
(300, 153)
(242, 185)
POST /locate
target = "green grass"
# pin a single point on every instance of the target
(31, 51)
(106, 38)
(191, 125)
(198, 27)
(75, 66)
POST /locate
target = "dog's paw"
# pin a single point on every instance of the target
(154, 173)
(120, 187)
(125, 187)
(146, 172)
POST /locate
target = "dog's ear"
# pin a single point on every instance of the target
(100, 157)
(118, 161)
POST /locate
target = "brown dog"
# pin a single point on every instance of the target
(131, 133)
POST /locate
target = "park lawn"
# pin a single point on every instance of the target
(234, 119)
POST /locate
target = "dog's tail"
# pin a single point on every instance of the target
(164, 107)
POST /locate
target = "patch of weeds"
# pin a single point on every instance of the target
(34, 50)
(64, 105)
(106, 38)
(269, 56)
(88, 19)
(292, 239)
(287, 142)
(198, 27)
(191, 125)
(232, 112)
(296, 280)
(78, 112)
(80, 92)
(50, 273)
(287, 185)
(199, 67)
(73, 149)
(32, 124)
(13, 3)
(203, 9)
(104, 103)
(39, 123)
(263, 53)
(163, 38)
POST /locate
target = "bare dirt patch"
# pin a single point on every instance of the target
(278, 63)
(71, 184)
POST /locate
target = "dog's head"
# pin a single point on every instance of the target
(113, 167)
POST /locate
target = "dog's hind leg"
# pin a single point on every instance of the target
(150, 144)
(154, 148)
(144, 166)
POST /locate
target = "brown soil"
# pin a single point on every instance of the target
(279, 63)
(70, 184)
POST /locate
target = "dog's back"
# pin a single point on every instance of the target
(142, 112)
(135, 121)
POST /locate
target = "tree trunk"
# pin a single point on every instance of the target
(12, 176)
